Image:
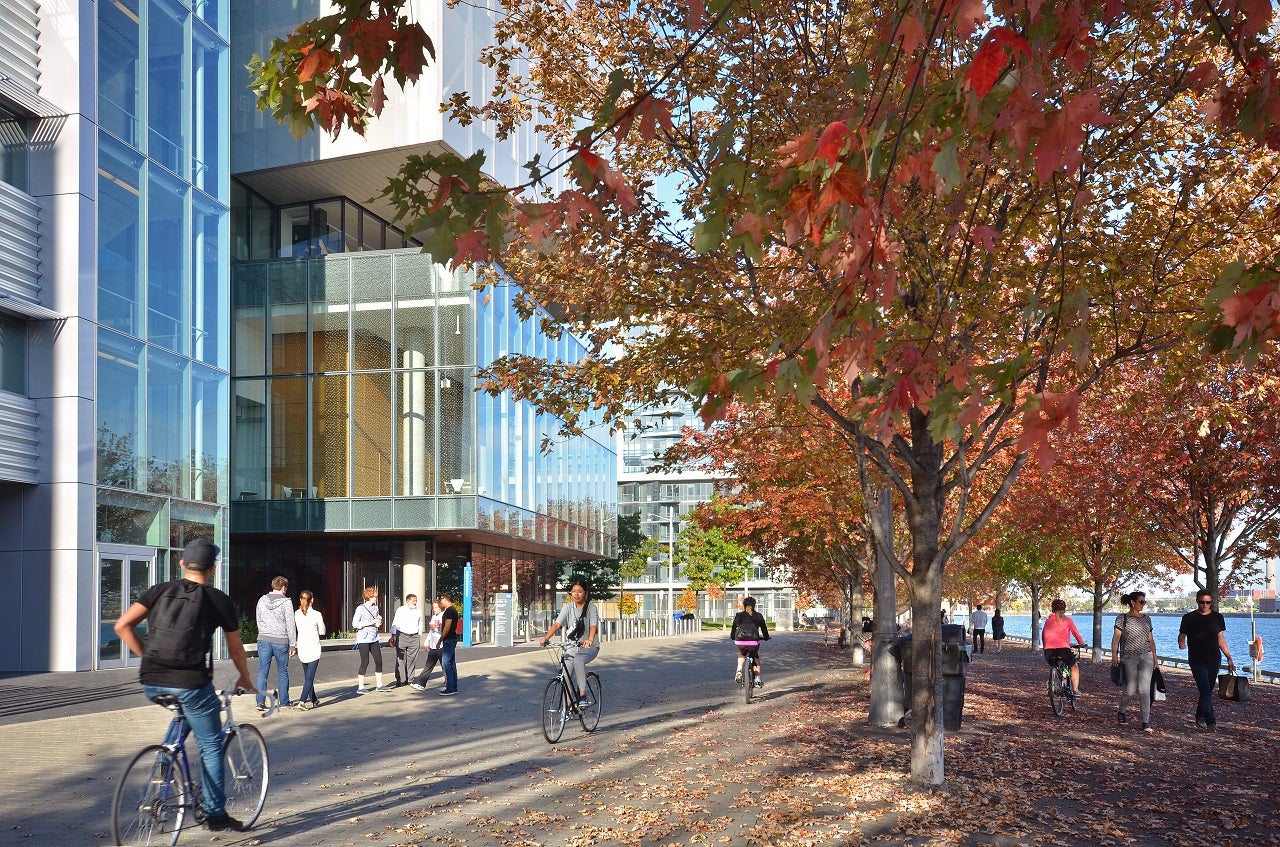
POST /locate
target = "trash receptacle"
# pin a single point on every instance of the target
(901, 650)
(955, 667)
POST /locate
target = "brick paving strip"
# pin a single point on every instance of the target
(678, 760)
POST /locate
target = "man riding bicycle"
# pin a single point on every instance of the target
(747, 631)
(171, 607)
(1056, 640)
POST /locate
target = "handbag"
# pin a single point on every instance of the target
(393, 640)
(1233, 687)
(1117, 674)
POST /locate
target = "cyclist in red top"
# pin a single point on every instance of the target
(1056, 640)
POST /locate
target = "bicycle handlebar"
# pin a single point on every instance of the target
(273, 702)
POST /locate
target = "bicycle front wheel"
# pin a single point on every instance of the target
(1056, 694)
(150, 800)
(590, 716)
(245, 773)
(555, 711)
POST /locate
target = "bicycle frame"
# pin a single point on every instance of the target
(175, 739)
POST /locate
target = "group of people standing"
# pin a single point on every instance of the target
(284, 632)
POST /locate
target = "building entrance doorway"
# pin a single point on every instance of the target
(124, 573)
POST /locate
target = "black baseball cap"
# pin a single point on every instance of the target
(200, 554)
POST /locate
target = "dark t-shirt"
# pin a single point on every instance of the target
(219, 612)
(451, 614)
(1202, 637)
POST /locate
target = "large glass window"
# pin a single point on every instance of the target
(209, 221)
(167, 251)
(290, 446)
(167, 101)
(371, 434)
(210, 433)
(209, 122)
(167, 418)
(14, 135)
(119, 75)
(120, 263)
(287, 302)
(417, 415)
(330, 316)
(250, 440)
(249, 297)
(120, 410)
(13, 354)
(330, 422)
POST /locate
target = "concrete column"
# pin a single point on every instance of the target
(415, 574)
(415, 435)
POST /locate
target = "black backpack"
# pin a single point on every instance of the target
(745, 629)
(177, 630)
(580, 626)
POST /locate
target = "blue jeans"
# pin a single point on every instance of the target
(280, 652)
(449, 663)
(309, 682)
(203, 712)
(1206, 676)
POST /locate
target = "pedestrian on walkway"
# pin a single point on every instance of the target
(1134, 646)
(997, 629)
(406, 629)
(182, 617)
(277, 639)
(450, 632)
(310, 624)
(978, 620)
(1203, 634)
(433, 648)
(366, 622)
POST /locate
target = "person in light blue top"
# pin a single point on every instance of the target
(580, 620)
(366, 622)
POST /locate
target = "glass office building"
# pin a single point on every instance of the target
(363, 454)
(115, 295)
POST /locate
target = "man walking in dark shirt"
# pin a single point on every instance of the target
(1203, 634)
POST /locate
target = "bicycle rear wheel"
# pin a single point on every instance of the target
(555, 711)
(1056, 693)
(150, 800)
(748, 681)
(590, 716)
(245, 773)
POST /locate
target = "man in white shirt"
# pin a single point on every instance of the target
(979, 622)
(406, 628)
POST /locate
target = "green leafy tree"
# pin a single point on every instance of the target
(604, 575)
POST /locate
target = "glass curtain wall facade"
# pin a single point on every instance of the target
(356, 415)
(163, 331)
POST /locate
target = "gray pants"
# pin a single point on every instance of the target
(1137, 683)
(578, 658)
(406, 656)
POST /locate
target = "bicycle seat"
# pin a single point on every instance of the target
(169, 701)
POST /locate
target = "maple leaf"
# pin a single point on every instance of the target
(409, 55)
(315, 63)
(470, 247)
(969, 13)
(831, 144)
(994, 54)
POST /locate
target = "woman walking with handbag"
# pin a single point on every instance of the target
(1134, 647)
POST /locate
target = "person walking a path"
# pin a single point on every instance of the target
(1203, 634)
(997, 629)
(1134, 647)
(277, 639)
(310, 624)
(979, 622)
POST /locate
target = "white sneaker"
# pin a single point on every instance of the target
(362, 690)
(417, 686)
(738, 677)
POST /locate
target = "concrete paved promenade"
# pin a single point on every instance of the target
(678, 760)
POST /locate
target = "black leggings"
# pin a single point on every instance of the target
(367, 648)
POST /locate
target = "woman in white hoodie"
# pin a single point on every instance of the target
(310, 630)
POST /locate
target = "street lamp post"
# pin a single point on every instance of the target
(671, 561)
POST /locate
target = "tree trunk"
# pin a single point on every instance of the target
(1099, 599)
(924, 515)
(886, 700)
(1035, 616)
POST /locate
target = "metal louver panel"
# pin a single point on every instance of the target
(20, 42)
(19, 246)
